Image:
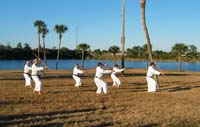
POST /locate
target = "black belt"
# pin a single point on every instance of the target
(39, 76)
(26, 73)
(75, 75)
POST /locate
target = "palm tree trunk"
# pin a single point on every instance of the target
(44, 51)
(58, 52)
(82, 58)
(38, 45)
(147, 61)
(180, 67)
(123, 34)
(149, 47)
(114, 59)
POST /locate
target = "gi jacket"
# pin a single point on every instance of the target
(151, 71)
(100, 71)
(77, 71)
(36, 70)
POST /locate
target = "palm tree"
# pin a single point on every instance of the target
(179, 49)
(149, 47)
(39, 24)
(60, 29)
(123, 33)
(114, 49)
(83, 47)
(44, 31)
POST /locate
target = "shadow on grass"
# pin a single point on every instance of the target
(181, 88)
(49, 125)
(151, 125)
(104, 124)
(59, 118)
(6, 102)
(144, 74)
(25, 118)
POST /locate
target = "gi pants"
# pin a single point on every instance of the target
(38, 84)
(27, 79)
(100, 85)
(151, 84)
(77, 80)
(116, 81)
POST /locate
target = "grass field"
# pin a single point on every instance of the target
(176, 104)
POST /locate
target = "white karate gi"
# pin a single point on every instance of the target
(99, 82)
(77, 71)
(116, 81)
(36, 77)
(150, 81)
(27, 75)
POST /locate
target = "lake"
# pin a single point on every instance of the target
(69, 64)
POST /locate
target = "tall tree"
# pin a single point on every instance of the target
(114, 49)
(123, 33)
(83, 47)
(60, 29)
(149, 47)
(179, 49)
(39, 24)
(44, 31)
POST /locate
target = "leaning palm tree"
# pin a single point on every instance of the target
(114, 49)
(179, 49)
(149, 47)
(83, 47)
(44, 31)
(60, 29)
(39, 24)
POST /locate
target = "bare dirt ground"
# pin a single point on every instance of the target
(175, 104)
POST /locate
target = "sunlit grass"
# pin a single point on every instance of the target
(176, 103)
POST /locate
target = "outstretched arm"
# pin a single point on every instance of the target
(107, 71)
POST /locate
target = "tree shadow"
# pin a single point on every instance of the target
(23, 116)
(151, 125)
(60, 118)
(106, 124)
(4, 102)
(179, 88)
(49, 125)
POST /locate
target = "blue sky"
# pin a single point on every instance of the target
(99, 22)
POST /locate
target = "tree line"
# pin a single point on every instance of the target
(25, 52)
(178, 51)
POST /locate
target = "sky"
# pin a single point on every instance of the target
(99, 22)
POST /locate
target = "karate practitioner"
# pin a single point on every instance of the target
(27, 70)
(77, 71)
(36, 73)
(98, 79)
(149, 77)
(116, 70)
